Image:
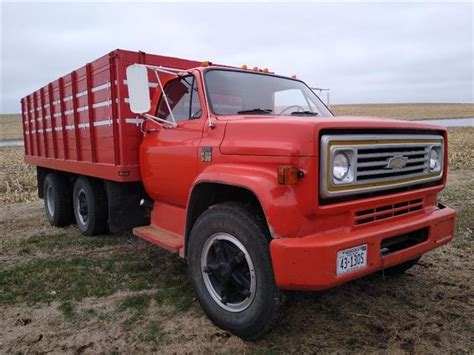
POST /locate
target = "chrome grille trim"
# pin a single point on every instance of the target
(381, 163)
(371, 157)
(399, 171)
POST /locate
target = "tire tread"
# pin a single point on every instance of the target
(63, 200)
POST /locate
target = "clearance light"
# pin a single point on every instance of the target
(206, 63)
(244, 67)
(287, 175)
(265, 70)
(293, 76)
(255, 68)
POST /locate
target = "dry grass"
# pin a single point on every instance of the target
(461, 147)
(406, 111)
(10, 127)
(17, 179)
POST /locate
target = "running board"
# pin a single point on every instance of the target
(166, 240)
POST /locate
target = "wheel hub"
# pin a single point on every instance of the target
(50, 200)
(228, 272)
(82, 207)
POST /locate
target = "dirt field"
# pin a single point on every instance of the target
(62, 292)
(407, 111)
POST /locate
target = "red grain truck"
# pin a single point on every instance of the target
(244, 173)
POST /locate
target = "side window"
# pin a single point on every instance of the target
(292, 97)
(183, 97)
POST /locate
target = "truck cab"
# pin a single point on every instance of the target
(250, 178)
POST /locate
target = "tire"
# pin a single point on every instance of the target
(57, 200)
(90, 206)
(246, 307)
(401, 268)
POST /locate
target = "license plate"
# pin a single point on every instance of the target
(352, 259)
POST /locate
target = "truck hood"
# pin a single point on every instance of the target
(299, 136)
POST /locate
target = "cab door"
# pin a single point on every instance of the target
(169, 156)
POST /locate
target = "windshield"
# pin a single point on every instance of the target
(235, 92)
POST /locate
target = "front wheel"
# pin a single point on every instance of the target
(231, 271)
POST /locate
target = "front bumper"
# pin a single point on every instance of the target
(309, 263)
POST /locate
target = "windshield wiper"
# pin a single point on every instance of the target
(304, 113)
(256, 110)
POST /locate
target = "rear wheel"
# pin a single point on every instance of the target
(57, 200)
(401, 268)
(231, 271)
(90, 206)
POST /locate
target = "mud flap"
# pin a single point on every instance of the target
(124, 207)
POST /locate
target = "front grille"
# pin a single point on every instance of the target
(372, 162)
(387, 211)
(378, 162)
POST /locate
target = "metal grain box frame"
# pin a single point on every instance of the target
(82, 123)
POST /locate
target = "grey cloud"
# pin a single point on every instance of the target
(365, 52)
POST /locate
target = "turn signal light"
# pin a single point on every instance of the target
(287, 175)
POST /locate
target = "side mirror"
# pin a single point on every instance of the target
(138, 90)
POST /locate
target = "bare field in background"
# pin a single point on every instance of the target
(10, 125)
(406, 111)
(63, 292)
(17, 179)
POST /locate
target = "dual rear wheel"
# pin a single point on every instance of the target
(85, 202)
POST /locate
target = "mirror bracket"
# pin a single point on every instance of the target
(160, 121)
(137, 78)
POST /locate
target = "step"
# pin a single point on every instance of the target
(166, 240)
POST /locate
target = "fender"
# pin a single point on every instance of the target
(278, 202)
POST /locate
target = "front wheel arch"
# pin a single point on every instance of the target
(206, 194)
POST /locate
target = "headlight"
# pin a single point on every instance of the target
(435, 159)
(340, 167)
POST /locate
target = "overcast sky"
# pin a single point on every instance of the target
(364, 52)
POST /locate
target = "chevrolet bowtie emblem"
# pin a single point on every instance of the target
(397, 162)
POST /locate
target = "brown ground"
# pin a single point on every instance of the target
(406, 111)
(62, 292)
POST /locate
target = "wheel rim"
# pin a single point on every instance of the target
(228, 272)
(50, 200)
(82, 207)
